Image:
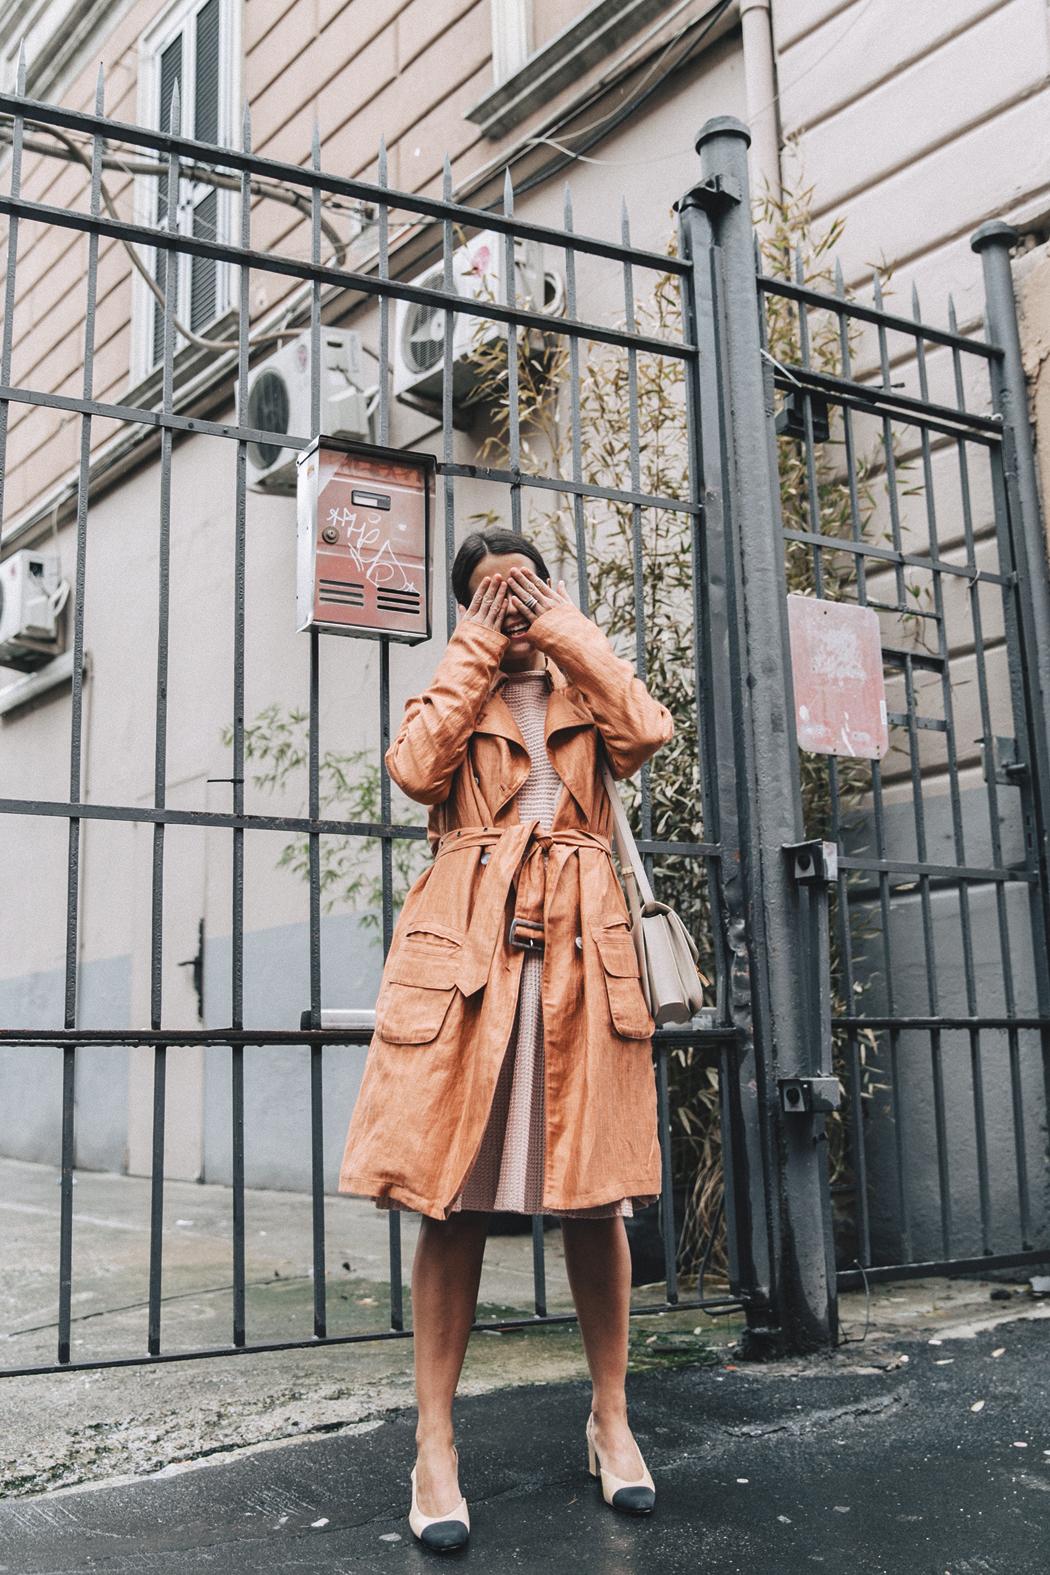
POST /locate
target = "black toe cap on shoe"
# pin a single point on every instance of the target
(445, 1535)
(634, 1500)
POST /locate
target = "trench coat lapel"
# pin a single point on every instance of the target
(564, 722)
(495, 717)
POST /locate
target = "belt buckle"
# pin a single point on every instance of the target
(527, 943)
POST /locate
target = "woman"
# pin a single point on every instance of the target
(511, 1065)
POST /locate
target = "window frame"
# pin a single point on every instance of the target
(179, 19)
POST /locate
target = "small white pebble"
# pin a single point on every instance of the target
(843, 1509)
(786, 1519)
(1000, 1351)
(978, 1405)
(1020, 1446)
(743, 1479)
(945, 1361)
(390, 1536)
(317, 1524)
(935, 1342)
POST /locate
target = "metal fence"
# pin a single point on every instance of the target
(917, 968)
(930, 993)
(448, 221)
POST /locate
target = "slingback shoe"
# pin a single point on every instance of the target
(442, 1533)
(630, 1498)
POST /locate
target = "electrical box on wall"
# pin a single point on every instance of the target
(32, 596)
(279, 401)
(365, 523)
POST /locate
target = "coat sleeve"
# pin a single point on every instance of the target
(431, 743)
(633, 725)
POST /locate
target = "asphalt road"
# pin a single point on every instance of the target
(778, 1469)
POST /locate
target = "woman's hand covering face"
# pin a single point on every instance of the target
(531, 597)
(490, 603)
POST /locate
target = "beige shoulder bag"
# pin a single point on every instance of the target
(667, 954)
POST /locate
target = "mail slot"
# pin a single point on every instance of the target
(364, 564)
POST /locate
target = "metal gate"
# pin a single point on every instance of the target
(929, 994)
(795, 999)
(102, 143)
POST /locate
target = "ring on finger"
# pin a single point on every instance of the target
(529, 602)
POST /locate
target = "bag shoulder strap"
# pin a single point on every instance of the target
(625, 843)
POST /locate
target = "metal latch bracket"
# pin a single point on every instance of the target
(812, 862)
(808, 1096)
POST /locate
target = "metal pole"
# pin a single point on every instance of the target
(785, 1031)
(993, 242)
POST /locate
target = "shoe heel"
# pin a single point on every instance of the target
(592, 1458)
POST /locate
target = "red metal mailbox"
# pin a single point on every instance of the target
(364, 564)
(836, 662)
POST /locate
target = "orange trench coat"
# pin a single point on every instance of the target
(448, 1001)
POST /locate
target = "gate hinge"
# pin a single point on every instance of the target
(713, 195)
(809, 1095)
(810, 862)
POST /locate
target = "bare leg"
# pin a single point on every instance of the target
(599, 1267)
(445, 1278)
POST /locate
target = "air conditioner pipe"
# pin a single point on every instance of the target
(760, 84)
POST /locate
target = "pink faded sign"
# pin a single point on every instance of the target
(840, 697)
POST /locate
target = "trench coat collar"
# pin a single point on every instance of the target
(563, 716)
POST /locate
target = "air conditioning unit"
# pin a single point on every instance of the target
(479, 274)
(32, 596)
(279, 401)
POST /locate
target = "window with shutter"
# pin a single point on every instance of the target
(191, 46)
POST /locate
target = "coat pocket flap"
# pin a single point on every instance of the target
(425, 967)
(616, 949)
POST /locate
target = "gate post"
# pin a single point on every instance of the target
(776, 1163)
(993, 241)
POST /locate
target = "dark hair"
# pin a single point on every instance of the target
(498, 543)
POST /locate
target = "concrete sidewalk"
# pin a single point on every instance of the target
(232, 1463)
(840, 1464)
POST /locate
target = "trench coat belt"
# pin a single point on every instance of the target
(523, 857)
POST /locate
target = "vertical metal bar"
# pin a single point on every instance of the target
(171, 276)
(812, 490)
(976, 1071)
(383, 223)
(156, 1213)
(860, 1158)
(65, 1273)
(448, 284)
(578, 517)
(17, 130)
(637, 554)
(65, 1249)
(237, 917)
(1020, 1156)
(316, 1052)
(397, 1313)
(510, 295)
(539, 1268)
(667, 1223)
